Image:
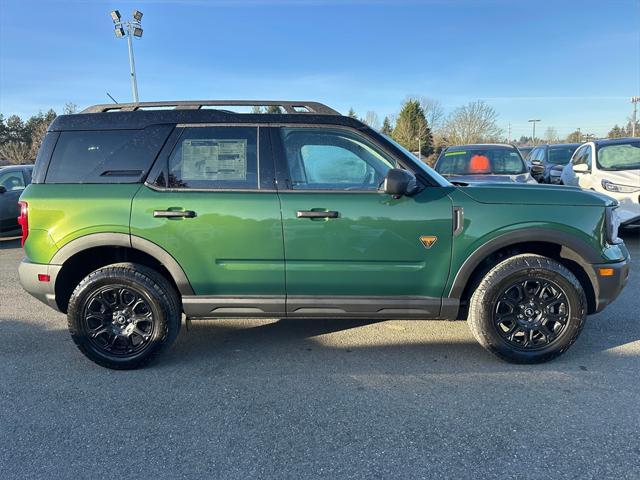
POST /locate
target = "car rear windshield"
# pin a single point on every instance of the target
(485, 161)
(560, 155)
(621, 156)
(106, 156)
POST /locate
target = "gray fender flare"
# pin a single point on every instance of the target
(128, 241)
(572, 248)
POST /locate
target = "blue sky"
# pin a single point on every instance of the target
(569, 63)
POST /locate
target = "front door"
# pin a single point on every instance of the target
(212, 205)
(349, 248)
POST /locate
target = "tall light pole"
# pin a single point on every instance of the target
(635, 101)
(129, 28)
(534, 121)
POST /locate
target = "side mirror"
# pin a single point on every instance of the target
(581, 168)
(3, 189)
(399, 182)
(537, 168)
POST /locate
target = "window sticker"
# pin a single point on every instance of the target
(210, 159)
(451, 154)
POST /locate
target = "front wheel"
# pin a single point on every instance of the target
(528, 309)
(122, 315)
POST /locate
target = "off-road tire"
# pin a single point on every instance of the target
(159, 294)
(492, 287)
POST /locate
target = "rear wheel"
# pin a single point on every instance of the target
(122, 315)
(528, 309)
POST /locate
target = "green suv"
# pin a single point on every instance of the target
(139, 213)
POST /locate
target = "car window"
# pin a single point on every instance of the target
(215, 158)
(12, 180)
(560, 155)
(580, 156)
(587, 156)
(481, 161)
(537, 154)
(333, 159)
(105, 156)
(625, 156)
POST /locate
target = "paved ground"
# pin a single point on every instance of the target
(317, 399)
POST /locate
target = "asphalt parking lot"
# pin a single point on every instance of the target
(317, 399)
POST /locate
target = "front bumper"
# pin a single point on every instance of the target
(607, 288)
(42, 290)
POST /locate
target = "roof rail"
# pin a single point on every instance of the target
(287, 106)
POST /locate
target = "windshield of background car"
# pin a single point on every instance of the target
(525, 151)
(621, 156)
(484, 161)
(443, 182)
(560, 155)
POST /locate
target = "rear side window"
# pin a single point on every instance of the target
(220, 158)
(43, 157)
(106, 156)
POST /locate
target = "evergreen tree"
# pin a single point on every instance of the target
(3, 130)
(273, 109)
(386, 129)
(411, 128)
(617, 132)
(574, 137)
(352, 113)
(16, 129)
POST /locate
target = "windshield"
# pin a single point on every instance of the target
(622, 156)
(484, 161)
(525, 151)
(443, 182)
(561, 155)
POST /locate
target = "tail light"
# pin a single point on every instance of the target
(23, 220)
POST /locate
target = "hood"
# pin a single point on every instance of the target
(539, 194)
(623, 177)
(520, 178)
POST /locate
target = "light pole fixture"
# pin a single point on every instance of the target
(635, 101)
(129, 28)
(534, 121)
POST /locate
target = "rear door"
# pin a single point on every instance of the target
(211, 203)
(349, 248)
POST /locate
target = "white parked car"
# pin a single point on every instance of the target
(611, 167)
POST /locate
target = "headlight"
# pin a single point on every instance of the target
(616, 187)
(612, 224)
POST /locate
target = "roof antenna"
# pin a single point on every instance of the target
(114, 100)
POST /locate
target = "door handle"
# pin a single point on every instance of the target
(316, 214)
(174, 213)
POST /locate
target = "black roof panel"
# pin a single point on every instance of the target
(135, 120)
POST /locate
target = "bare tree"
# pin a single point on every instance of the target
(471, 123)
(551, 135)
(16, 152)
(37, 135)
(70, 108)
(372, 119)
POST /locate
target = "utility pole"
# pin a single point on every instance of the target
(534, 121)
(635, 101)
(579, 135)
(129, 28)
(509, 136)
